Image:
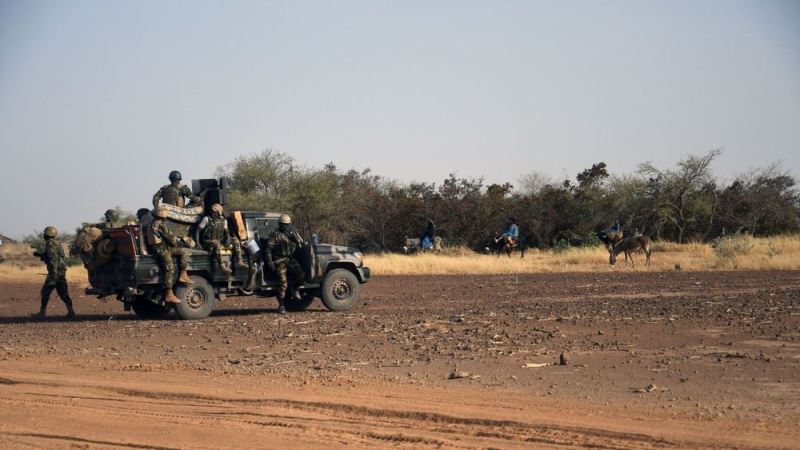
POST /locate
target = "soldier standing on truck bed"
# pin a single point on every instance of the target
(279, 251)
(214, 234)
(174, 193)
(53, 257)
(165, 245)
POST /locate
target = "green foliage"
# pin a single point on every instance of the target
(376, 214)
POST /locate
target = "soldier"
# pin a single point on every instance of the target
(214, 234)
(53, 257)
(165, 245)
(112, 219)
(143, 217)
(279, 251)
(174, 193)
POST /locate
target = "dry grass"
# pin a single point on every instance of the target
(37, 273)
(21, 265)
(778, 253)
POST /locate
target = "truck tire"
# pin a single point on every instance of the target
(148, 310)
(340, 290)
(302, 304)
(197, 299)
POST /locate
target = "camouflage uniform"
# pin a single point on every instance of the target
(165, 246)
(173, 194)
(112, 220)
(280, 248)
(215, 234)
(53, 257)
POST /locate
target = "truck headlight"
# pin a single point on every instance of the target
(360, 257)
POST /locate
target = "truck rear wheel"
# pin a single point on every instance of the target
(340, 290)
(147, 310)
(197, 299)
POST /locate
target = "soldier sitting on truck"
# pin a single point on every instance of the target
(112, 220)
(165, 245)
(174, 193)
(281, 246)
(214, 235)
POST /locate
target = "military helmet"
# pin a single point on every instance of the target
(285, 219)
(111, 215)
(217, 208)
(50, 231)
(175, 176)
(162, 212)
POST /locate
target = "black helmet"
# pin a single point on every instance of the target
(175, 176)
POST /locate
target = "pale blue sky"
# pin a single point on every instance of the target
(99, 100)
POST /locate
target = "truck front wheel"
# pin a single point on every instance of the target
(197, 299)
(340, 290)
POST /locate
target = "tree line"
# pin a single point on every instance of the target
(375, 213)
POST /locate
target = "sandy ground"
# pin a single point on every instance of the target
(666, 360)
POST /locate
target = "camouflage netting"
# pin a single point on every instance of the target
(180, 219)
(93, 247)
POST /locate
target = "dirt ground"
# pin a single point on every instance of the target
(666, 360)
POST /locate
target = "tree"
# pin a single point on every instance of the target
(683, 190)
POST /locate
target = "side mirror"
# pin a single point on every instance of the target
(315, 238)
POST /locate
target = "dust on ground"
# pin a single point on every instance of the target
(670, 359)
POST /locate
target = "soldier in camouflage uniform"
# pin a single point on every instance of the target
(279, 251)
(214, 235)
(165, 246)
(112, 220)
(174, 193)
(53, 257)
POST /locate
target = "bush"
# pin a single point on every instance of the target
(561, 246)
(730, 246)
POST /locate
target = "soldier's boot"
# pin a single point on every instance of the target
(39, 315)
(184, 278)
(70, 312)
(281, 308)
(170, 297)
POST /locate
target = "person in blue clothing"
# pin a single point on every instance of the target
(511, 234)
(426, 240)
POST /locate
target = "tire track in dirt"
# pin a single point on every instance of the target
(419, 427)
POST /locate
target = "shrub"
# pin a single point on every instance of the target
(729, 247)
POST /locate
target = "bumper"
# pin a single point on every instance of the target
(363, 274)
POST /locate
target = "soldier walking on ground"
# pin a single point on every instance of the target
(214, 234)
(280, 248)
(53, 257)
(165, 245)
(174, 193)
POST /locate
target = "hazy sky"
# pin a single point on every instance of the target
(99, 100)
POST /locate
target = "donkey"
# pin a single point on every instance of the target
(629, 246)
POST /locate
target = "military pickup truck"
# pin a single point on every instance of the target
(132, 274)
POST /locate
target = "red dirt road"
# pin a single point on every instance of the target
(667, 360)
